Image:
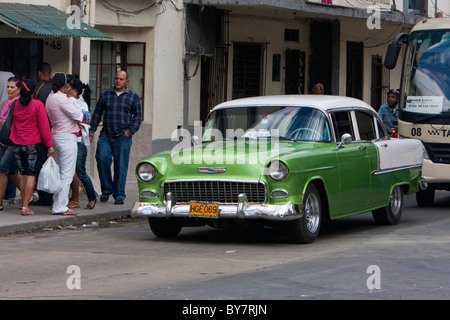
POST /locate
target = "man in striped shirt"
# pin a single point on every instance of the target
(121, 111)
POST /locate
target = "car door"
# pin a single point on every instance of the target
(353, 163)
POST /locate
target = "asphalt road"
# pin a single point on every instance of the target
(352, 259)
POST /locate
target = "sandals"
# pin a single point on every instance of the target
(73, 204)
(26, 211)
(69, 212)
(89, 207)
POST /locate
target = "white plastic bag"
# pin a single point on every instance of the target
(49, 179)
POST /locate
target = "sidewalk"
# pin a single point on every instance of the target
(11, 221)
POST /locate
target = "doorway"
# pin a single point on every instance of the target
(295, 72)
(247, 69)
(354, 69)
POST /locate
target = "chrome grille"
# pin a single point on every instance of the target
(214, 191)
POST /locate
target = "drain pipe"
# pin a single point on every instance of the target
(76, 46)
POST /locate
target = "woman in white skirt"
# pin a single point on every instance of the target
(64, 118)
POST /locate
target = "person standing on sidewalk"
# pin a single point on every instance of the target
(121, 111)
(64, 117)
(44, 86)
(43, 89)
(74, 92)
(29, 127)
(9, 177)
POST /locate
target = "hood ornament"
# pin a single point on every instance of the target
(211, 170)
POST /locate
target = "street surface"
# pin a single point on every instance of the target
(352, 259)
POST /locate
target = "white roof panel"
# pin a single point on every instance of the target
(324, 102)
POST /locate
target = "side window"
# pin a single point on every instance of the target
(366, 126)
(342, 124)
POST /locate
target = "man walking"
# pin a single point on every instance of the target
(121, 111)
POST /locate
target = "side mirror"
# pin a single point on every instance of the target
(345, 139)
(195, 140)
(394, 50)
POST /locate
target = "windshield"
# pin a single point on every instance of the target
(426, 82)
(292, 123)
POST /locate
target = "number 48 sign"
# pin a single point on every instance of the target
(54, 44)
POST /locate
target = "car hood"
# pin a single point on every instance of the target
(240, 160)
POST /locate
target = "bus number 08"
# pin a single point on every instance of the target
(416, 132)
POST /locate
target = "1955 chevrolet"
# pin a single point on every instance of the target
(291, 160)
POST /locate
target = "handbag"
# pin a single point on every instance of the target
(6, 128)
(49, 179)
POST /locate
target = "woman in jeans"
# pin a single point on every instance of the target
(29, 126)
(64, 117)
(9, 177)
(73, 92)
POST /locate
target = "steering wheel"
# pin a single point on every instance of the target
(308, 132)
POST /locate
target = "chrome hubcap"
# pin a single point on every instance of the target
(312, 213)
(396, 201)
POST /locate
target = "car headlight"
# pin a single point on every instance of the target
(146, 172)
(277, 170)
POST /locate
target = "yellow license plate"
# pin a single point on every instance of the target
(204, 209)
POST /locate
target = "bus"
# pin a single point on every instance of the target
(424, 105)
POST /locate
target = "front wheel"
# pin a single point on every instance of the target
(164, 228)
(306, 229)
(392, 213)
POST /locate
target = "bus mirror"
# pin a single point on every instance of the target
(394, 49)
(391, 56)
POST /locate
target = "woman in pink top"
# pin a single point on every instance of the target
(64, 116)
(29, 126)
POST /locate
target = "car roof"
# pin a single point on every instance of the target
(324, 102)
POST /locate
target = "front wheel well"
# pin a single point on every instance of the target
(323, 197)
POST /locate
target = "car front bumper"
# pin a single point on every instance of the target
(241, 210)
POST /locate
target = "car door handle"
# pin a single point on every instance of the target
(362, 148)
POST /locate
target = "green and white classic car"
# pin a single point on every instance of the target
(290, 160)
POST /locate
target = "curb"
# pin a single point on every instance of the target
(55, 222)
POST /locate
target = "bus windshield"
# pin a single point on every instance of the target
(426, 82)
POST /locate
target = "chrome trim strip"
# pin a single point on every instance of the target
(286, 194)
(242, 210)
(377, 172)
(152, 194)
(219, 180)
